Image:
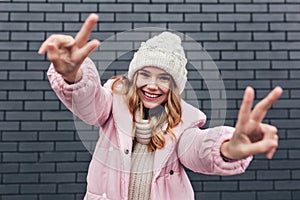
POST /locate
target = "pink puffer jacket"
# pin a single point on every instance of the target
(109, 170)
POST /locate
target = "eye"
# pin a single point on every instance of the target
(165, 78)
(144, 74)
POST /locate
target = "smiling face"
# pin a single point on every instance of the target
(153, 86)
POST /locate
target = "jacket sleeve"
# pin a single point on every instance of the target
(199, 150)
(87, 99)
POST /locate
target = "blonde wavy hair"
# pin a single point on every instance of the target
(171, 114)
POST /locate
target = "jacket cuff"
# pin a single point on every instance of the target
(234, 167)
(89, 75)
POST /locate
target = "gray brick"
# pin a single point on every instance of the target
(23, 55)
(57, 156)
(3, 17)
(58, 177)
(27, 17)
(157, 17)
(4, 55)
(233, 17)
(27, 36)
(56, 196)
(25, 95)
(272, 55)
(253, 65)
(253, 46)
(45, 26)
(294, 55)
(255, 84)
(294, 154)
(219, 45)
(167, 1)
(203, 36)
(9, 189)
(20, 157)
(115, 7)
(186, 8)
(217, 8)
(11, 105)
(285, 45)
(12, 65)
(63, 17)
(252, 26)
(70, 146)
(26, 75)
(237, 55)
(57, 115)
(20, 178)
(8, 168)
(284, 8)
(13, 26)
(215, 186)
(41, 105)
(235, 36)
(19, 136)
(132, 17)
(80, 7)
(274, 195)
(37, 167)
(12, 115)
(271, 74)
(72, 167)
(293, 36)
(9, 126)
(38, 188)
(115, 26)
(218, 27)
(289, 64)
(30, 126)
(184, 26)
(273, 174)
(74, 187)
(8, 147)
(207, 195)
(238, 195)
(19, 197)
(251, 8)
(268, 17)
(12, 6)
(36, 146)
(56, 135)
(149, 8)
(284, 27)
(201, 17)
(290, 185)
(46, 7)
(38, 65)
(3, 75)
(4, 35)
(38, 85)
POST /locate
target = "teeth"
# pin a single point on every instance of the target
(151, 95)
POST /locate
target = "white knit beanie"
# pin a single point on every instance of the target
(165, 52)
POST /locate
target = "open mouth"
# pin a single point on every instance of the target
(151, 96)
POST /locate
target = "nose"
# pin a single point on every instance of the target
(153, 85)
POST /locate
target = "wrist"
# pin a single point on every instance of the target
(225, 152)
(73, 78)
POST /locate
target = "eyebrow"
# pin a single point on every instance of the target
(161, 74)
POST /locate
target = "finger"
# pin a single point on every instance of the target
(270, 134)
(52, 52)
(87, 49)
(261, 108)
(57, 40)
(246, 106)
(83, 35)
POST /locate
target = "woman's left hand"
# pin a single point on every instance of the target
(251, 136)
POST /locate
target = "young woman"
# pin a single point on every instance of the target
(148, 133)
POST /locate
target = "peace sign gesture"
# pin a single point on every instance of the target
(251, 136)
(67, 53)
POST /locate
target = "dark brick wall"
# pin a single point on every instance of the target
(253, 42)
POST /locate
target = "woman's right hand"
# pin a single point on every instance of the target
(67, 53)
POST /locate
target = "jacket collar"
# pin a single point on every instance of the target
(191, 117)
